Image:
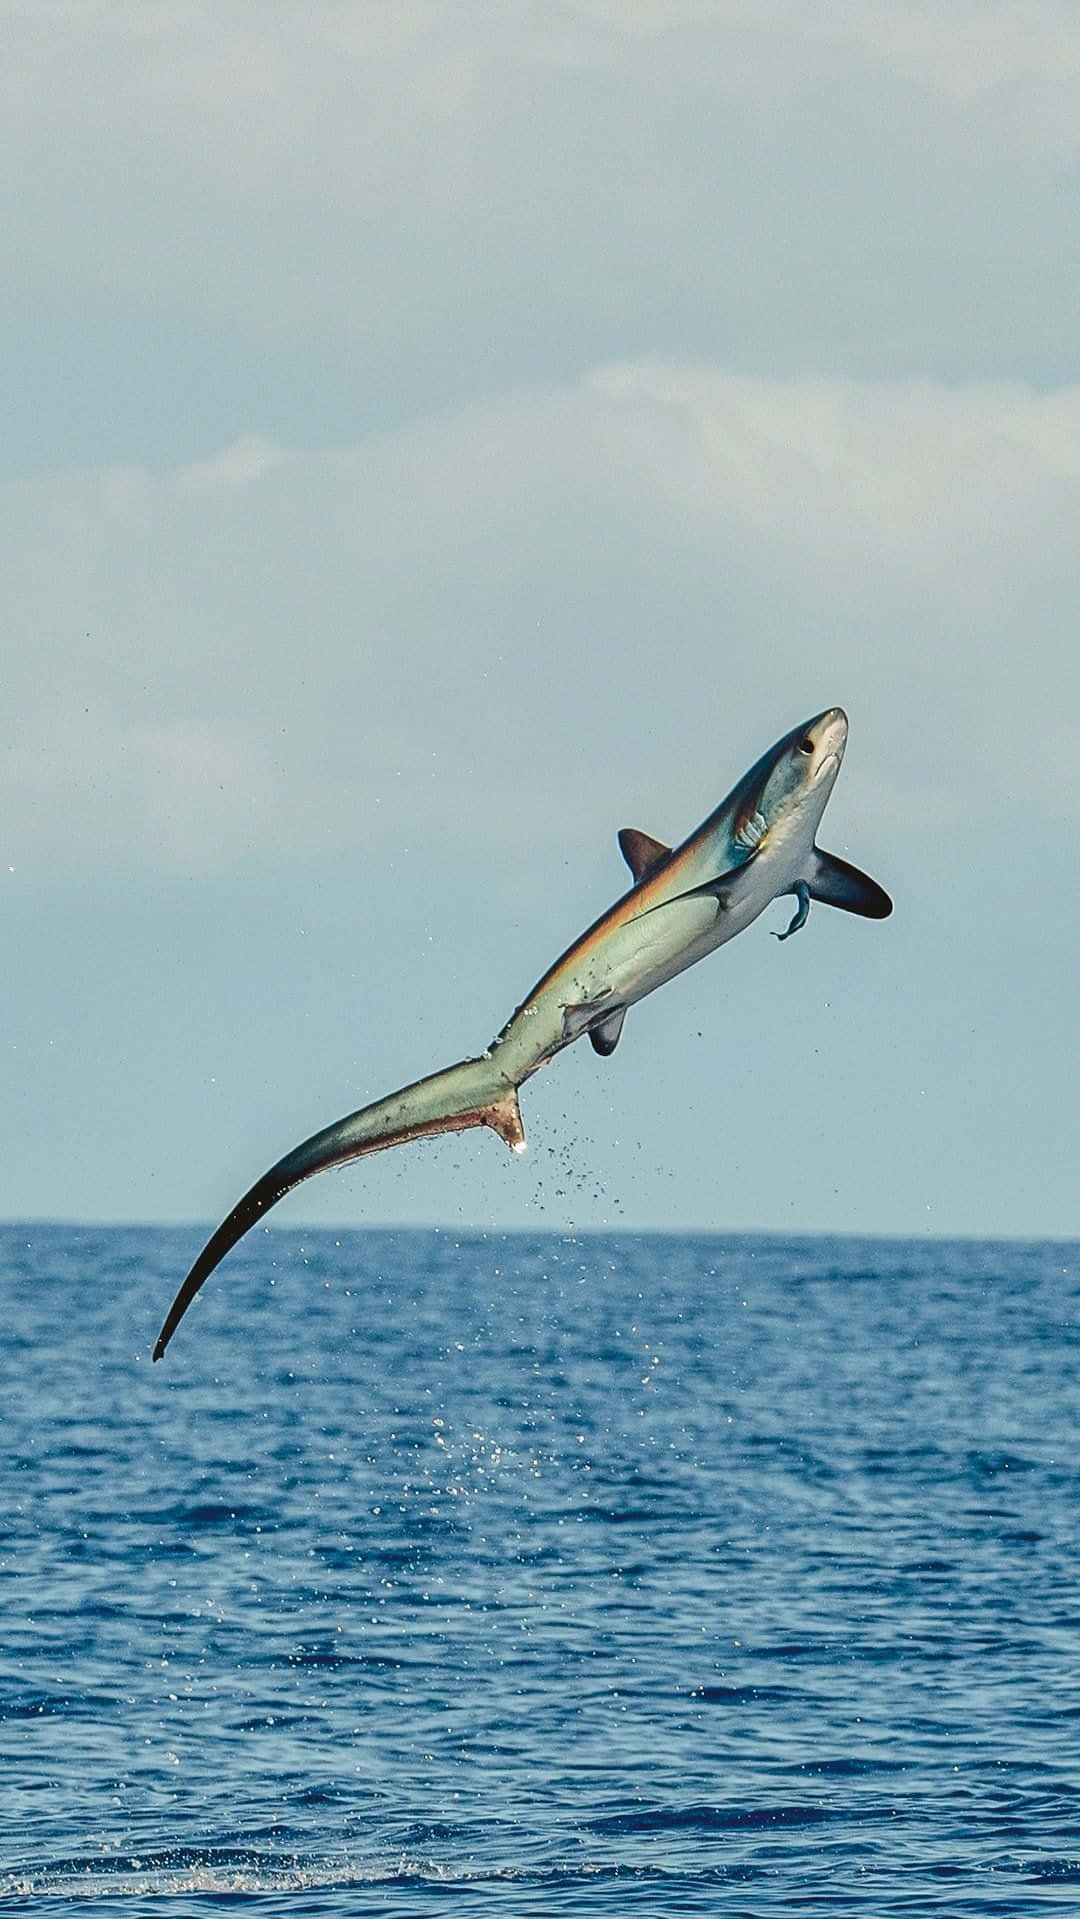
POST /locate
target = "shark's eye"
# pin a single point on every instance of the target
(806, 746)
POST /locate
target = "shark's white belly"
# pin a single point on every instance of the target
(632, 958)
(688, 929)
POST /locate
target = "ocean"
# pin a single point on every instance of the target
(537, 1575)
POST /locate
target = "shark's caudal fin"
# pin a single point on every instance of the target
(473, 1093)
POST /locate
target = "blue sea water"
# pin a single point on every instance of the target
(532, 1575)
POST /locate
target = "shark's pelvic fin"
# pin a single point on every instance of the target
(472, 1093)
(802, 894)
(640, 851)
(604, 1036)
(832, 881)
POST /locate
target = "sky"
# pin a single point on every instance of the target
(437, 435)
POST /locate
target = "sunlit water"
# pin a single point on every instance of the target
(532, 1575)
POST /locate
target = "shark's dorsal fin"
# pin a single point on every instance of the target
(605, 1035)
(832, 881)
(640, 851)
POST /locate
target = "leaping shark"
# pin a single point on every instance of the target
(759, 844)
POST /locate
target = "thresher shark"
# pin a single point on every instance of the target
(684, 902)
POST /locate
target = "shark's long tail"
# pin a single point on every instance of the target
(473, 1093)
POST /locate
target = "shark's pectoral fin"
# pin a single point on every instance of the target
(640, 851)
(832, 881)
(604, 1036)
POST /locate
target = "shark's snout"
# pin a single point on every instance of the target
(828, 732)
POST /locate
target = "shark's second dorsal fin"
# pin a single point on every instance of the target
(640, 851)
(504, 1118)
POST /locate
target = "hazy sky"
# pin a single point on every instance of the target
(436, 435)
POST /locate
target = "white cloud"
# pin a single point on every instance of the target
(907, 459)
(964, 52)
(235, 466)
(366, 31)
(392, 207)
(438, 432)
(279, 652)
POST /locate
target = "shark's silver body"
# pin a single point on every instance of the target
(760, 843)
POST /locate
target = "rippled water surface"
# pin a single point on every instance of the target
(525, 1575)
